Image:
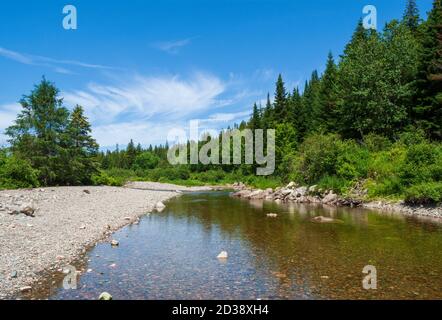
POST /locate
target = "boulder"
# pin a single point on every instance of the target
(115, 243)
(160, 206)
(28, 211)
(257, 194)
(330, 198)
(300, 192)
(242, 194)
(86, 191)
(291, 185)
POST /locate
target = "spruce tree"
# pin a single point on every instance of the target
(428, 110)
(131, 154)
(255, 121)
(38, 131)
(280, 104)
(326, 117)
(82, 149)
(411, 15)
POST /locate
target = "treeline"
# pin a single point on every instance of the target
(384, 83)
(370, 124)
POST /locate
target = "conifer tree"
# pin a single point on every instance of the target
(280, 104)
(428, 110)
(38, 131)
(326, 117)
(411, 15)
(82, 149)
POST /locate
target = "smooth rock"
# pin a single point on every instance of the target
(105, 296)
(223, 255)
(272, 215)
(115, 243)
(28, 211)
(160, 206)
(25, 289)
(322, 219)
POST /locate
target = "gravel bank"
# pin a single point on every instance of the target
(67, 220)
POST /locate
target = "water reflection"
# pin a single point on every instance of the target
(172, 255)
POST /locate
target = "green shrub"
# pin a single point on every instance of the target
(145, 161)
(335, 183)
(317, 158)
(17, 173)
(353, 161)
(420, 163)
(375, 143)
(424, 193)
(103, 179)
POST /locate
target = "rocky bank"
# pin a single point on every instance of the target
(293, 193)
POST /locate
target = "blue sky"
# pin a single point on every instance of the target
(141, 68)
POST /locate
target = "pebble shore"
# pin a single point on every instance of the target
(63, 223)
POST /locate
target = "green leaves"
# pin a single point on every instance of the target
(54, 142)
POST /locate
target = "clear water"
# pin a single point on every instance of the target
(172, 255)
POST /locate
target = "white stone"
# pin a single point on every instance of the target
(223, 255)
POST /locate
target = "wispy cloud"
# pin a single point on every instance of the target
(145, 97)
(172, 47)
(8, 113)
(55, 64)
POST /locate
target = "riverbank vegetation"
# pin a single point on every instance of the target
(369, 126)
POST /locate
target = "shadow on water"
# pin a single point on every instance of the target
(172, 255)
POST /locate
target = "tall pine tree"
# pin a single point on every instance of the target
(428, 110)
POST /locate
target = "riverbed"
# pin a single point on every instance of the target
(173, 254)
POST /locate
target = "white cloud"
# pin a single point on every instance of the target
(54, 64)
(228, 117)
(8, 113)
(172, 47)
(145, 97)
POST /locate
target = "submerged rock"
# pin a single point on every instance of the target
(272, 215)
(223, 255)
(321, 219)
(115, 243)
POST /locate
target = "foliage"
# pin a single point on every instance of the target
(16, 173)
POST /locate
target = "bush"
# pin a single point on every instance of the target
(169, 173)
(103, 179)
(424, 193)
(337, 184)
(375, 143)
(317, 158)
(421, 163)
(17, 173)
(145, 161)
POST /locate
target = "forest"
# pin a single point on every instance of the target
(369, 126)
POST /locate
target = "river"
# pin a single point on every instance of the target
(173, 254)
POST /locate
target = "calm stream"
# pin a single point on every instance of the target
(172, 255)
